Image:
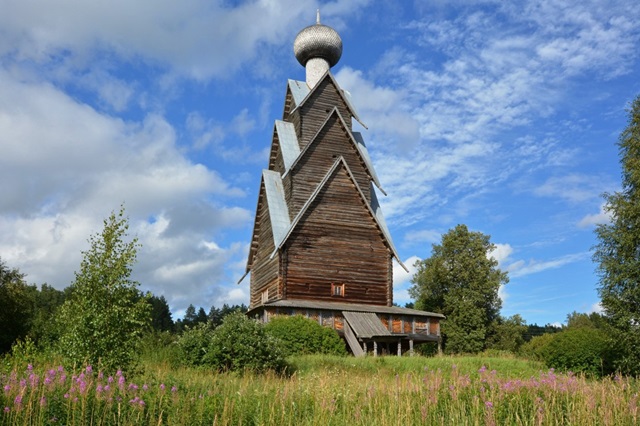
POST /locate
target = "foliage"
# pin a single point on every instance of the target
(617, 253)
(17, 300)
(461, 280)
(194, 344)
(581, 350)
(47, 302)
(508, 334)
(240, 344)
(105, 316)
(534, 330)
(536, 347)
(301, 335)
(160, 314)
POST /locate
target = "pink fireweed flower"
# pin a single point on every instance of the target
(107, 388)
(488, 404)
(482, 369)
(18, 400)
(145, 387)
(141, 403)
(174, 389)
(162, 386)
(60, 368)
(29, 367)
(43, 401)
(100, 375)
(89, 369)
(121, 382)
(66, 396)
(47, 380)
(118, 373)
(110, 379)
(99, 389)
(51, 373)
(133, 386)
(7, 409)
(7, 388)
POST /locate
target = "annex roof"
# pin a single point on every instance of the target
(352, 307)
(365, 324)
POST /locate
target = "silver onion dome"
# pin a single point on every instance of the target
(318, 41)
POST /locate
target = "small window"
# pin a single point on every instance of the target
(337, 290)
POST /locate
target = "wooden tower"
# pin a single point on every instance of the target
(320, 245)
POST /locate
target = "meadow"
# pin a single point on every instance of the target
(323, 390)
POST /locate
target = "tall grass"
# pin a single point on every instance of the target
(324, 391)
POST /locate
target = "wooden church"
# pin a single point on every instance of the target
(320, 246)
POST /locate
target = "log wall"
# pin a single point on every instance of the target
(337, 241)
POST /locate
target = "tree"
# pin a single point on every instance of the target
(17, 300)
(617, 253)
(508, 333)
(105, 316)
(160, 314)
(461, 281)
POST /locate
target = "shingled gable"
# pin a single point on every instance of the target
(272, 193)
(359, 146)
(285, 143)
(341, 163)
(296, 90)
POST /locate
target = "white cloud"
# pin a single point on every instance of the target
(521, 268)
(575, 188)
(597, 308)
(595, 219)
(402, 280)
(70, 165)
(501, 253)
(422, 236)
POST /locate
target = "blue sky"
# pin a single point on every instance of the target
(503, 116)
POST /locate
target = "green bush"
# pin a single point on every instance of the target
(581, 350)
(301, 336)
(535, 347)
(240, 344)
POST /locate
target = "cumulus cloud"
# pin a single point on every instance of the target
(595, 219)
(402, 280)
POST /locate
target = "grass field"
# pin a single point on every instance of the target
(322, 391)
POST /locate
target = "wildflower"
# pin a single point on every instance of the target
(89, 369)
(7, 388)
(174, 389)
(23, 383)
(141, 403)
(99, 389)
(29, 367)
(482, 369)
(100, 375)
(51, 372)
(107, 388)
(43, 401)
(60, 368)
(7, 409)
(110, 379)
(66, 396)
(18, 400)
(145, 387)
(119, 373)
(133, 386)
(488, 404)
(162, 386)
(121, 381)
(47, 380)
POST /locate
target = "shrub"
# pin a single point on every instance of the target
(302, 336)
(535, 347)
(240, 344)
(585, 350)
(194, 344)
